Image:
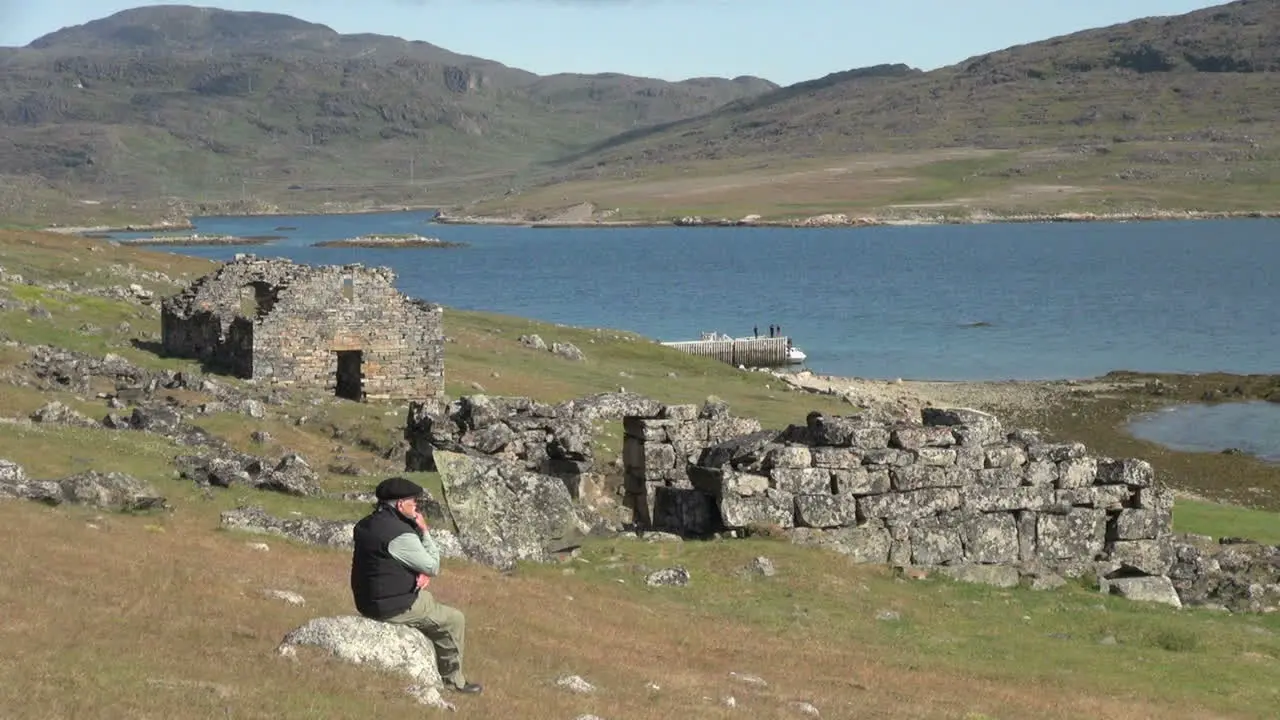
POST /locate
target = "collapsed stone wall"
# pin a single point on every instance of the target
(286, 324)
(954, 490)
(549, 439)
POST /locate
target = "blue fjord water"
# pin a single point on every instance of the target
(969, 302)
(1251, 427)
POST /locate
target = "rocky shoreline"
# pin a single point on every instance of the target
(196, 239)
(844, 220)
(390, 241)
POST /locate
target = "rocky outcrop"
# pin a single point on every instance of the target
(312, 531)
(390, 648)
(58, 369)
(109, 491)
(505, 513)
(1230, 573)
(57, 413)
(290, 475)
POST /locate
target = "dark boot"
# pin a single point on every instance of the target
(469, 688)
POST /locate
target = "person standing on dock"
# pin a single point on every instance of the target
(755, 330)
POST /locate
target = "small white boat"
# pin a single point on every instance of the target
(795, 356)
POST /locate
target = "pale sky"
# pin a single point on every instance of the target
(785, 41)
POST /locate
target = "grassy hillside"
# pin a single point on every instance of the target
(1175, 113)
(162, 614)
(216, 108)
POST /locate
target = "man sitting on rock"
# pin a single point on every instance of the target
(392, 564)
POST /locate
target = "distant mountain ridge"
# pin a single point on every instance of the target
(1212, 70)
(199, 102)
(214, 107)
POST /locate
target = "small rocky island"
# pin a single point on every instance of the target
(390, 241)
(198, 239)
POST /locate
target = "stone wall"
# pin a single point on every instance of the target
(550, 439)
(955, 490)
(283, 323)
(660, 457)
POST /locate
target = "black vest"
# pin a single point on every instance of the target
(382, 587)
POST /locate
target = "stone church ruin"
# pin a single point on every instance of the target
(345, 329)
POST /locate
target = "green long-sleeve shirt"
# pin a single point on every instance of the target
(418, 555)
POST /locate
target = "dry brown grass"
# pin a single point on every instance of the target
(161, 617)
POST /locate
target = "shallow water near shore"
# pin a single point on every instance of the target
(967, 302)
(1250, 427)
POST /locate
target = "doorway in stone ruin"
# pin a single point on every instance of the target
(350, 378)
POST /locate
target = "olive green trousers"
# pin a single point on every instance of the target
(445, 627)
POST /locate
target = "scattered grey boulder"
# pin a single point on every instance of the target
(110, 491)
(668, 577)
(11, 473)
(888, 616)
(762, 566)
(392, 648)
(259, 546)
(805, 708)
(56, 412)
(312, 531)
(288, 596)
(260, 437)
(748, 679)
(291, 475)
(568, 351)
(575, 684)
(533, 341)
(1146, 589)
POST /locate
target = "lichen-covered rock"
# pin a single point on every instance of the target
(56, 412)
(1241, 576)
(505, 513)
(668, 577)
(109, 491)
(1146, 589)
(391, 648)
(312, 531)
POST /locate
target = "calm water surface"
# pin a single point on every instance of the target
(1253, 427)
(1055, 300)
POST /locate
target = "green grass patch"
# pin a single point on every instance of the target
(1220, 521)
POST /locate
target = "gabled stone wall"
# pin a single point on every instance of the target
(283, 323)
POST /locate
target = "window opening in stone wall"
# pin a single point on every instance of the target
(348, 288)
(257, 299)
(350, 380)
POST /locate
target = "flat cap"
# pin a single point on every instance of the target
(396, 488)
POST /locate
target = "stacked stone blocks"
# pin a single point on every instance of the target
(954, 490)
